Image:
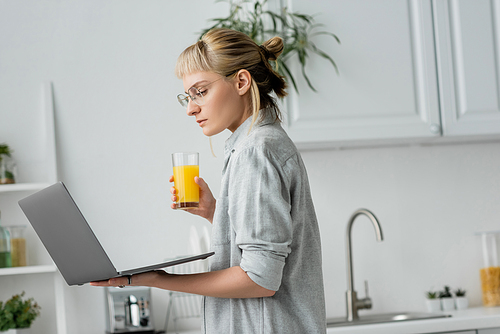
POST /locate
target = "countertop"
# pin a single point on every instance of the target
(471, 318)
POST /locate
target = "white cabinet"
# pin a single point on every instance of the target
(467, 42)
(409, 71)
(489, 331)
(387, 87)
(40, 278)
(459, 332)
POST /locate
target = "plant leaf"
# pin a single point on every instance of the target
(317, 33)
(295, 28)
(326, 56)
(290, 76)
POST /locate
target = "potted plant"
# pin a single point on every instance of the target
(17, 315)
(296, 29)
(461, 301)
(7, 165)
(432, 302)
(446, 298)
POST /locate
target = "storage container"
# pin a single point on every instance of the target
(490, 273)
(5, 259)
(17, 245)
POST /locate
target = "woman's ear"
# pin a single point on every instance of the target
(243, 81)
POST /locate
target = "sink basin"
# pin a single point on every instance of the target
(381, 318)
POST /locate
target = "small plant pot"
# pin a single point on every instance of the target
(447, 304)
(433, 305)
(461, 303)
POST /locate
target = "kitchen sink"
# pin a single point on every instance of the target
(383, 318)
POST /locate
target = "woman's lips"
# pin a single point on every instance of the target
(201, 122)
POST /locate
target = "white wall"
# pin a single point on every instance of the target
(117, 122)
(430, 201)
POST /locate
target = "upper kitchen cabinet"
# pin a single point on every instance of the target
(387, 86)
(468, 50)
(410, 71)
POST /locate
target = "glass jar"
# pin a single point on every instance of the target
(17, 245)
(490, 273)
(8, 169)
(5, 259)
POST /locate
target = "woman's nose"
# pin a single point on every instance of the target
(192, 108)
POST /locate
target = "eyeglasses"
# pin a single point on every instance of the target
(196, 95)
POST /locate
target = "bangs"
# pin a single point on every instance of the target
(192, 60)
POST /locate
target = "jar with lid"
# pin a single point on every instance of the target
(5, 259)
(490, 273)
(17, 245)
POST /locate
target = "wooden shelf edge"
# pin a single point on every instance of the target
(40, 269)
(22, 187)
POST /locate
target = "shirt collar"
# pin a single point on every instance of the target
(242, 131)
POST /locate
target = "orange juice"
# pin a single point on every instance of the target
(188, 192)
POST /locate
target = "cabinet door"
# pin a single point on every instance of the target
(489, 331)
(387, 86)
(459, 332)
(468, 51)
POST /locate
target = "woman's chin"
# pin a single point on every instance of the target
(211, 132)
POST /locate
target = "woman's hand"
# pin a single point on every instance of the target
(149, 278)
(227, 283)
(206, 207)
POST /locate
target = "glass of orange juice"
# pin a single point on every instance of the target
(186, 167)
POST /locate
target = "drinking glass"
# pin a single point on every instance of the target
(186, 167)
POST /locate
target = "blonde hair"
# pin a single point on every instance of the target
(225, 52)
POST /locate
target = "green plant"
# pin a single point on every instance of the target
(18, 313)
(431, 294)
(296, 29)
(4, 149)
(446, 293)
(6, 174)
(460, 293)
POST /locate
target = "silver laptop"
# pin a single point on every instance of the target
(70, 241)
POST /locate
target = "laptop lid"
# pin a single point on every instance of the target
(66, 235)
(70, 241)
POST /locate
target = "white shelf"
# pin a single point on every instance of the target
(13, 191)
(22, 187)
(40, 269)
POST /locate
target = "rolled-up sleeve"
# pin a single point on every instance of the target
(259, 210)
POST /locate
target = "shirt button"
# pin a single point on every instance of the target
(232, 151)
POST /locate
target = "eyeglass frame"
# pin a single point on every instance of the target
(181, 97)
(199, 95)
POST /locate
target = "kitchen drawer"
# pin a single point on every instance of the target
(489, 331)
(463, 332)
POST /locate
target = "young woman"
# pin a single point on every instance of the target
(266, 274)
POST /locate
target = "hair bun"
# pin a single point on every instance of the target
(272, 48)
(265, 51)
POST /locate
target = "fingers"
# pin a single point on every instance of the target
(171, 178)
(99, 283)
(173, 198)
(199, 181)
(204, 189)
(119, 281)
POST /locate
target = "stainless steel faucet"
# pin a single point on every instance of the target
(353, 303)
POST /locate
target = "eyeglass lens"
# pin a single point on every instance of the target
(193, 93)
(196, 96)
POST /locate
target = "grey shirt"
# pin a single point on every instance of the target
(265, 223)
